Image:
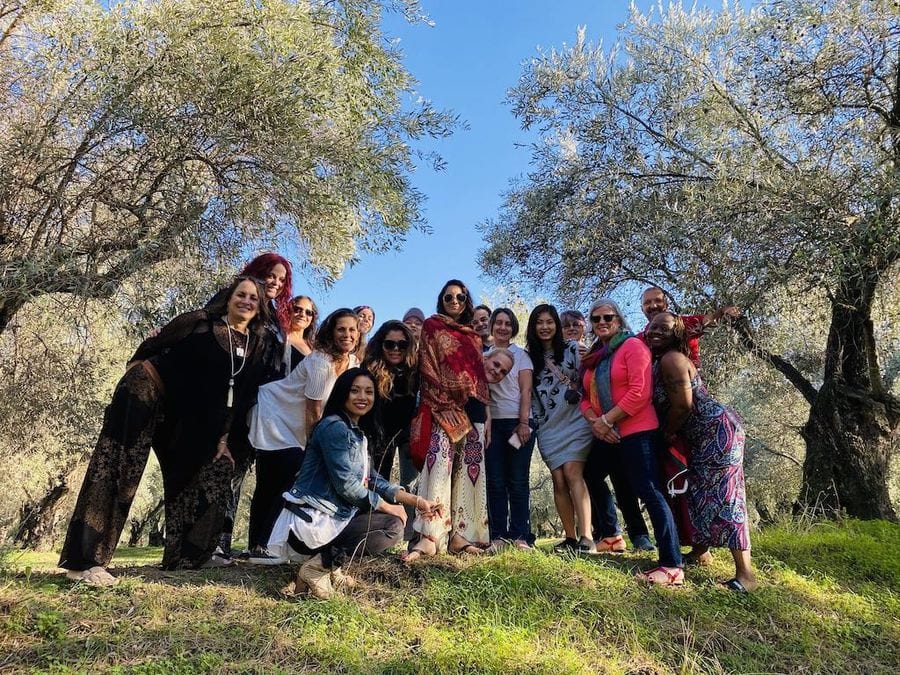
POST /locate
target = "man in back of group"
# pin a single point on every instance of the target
(654, 301)
(481, 323)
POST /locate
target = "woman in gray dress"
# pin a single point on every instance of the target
(563, 436)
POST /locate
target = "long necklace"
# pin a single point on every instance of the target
(243, 356)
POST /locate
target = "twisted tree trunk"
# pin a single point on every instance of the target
(140, 525)
(853, 421)
(37, 517)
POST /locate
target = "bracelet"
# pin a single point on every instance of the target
(605, 421)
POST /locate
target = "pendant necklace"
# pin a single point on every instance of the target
(230, 400)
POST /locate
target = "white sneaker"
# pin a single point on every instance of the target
(94, 576)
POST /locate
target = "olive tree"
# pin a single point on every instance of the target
(726, 156)
(154, 129)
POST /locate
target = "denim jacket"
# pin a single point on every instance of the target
(332, 478)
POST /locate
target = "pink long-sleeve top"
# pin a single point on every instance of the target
(631, 381)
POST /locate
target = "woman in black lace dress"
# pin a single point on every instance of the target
(181, 393)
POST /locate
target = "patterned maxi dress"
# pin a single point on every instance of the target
(453, 384)
(717, 497)
(173, 398)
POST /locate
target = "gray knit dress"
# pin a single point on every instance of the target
(563, 435)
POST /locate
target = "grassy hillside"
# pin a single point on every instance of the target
(829, 603)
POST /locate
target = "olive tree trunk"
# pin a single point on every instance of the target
(853, 420)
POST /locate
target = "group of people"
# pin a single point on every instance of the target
(324, 409)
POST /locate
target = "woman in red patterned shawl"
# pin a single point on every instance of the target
(448, 431)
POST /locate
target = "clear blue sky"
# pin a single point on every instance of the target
(466, 63)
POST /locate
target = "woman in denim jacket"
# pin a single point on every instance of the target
(339, 505)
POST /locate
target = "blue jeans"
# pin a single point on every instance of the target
(508, 489)
(637, 455)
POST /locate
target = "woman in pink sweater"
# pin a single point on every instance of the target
(618, 386)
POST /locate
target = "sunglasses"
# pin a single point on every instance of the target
(395, 345)
(459, 297)
(606, 318)
(303, 310)
(573, 325)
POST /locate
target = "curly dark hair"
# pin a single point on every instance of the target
(380, 369)
(325, 336)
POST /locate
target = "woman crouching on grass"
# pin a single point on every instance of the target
(339, 506)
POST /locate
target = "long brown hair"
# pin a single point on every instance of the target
(325, 341)
(309, 333)
(381, 370)
(219, 306)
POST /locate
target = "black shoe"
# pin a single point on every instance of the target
(586, 546)
(567, 545)
(243, 556)
(261, 556)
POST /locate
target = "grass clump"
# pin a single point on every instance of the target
(827, 604)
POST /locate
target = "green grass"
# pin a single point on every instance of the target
(828, 604)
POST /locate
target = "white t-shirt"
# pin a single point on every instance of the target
(278, 420)
(505, 394)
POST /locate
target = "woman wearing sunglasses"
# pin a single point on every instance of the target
(618, 385)
(304, 318)
(392, 358)
(448, 432)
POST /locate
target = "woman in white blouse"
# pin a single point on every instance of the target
(285, 412)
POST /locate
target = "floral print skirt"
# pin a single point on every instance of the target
(453, 475)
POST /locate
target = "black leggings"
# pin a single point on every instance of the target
(275, 472)
(368, 533)
(603, 462)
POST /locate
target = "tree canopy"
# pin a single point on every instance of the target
(151, 129)
(724, 155)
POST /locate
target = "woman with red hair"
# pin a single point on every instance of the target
(274, 271)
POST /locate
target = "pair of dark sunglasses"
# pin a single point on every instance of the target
(303, 310)
(460, 297)
(606, 318)
(396, 345)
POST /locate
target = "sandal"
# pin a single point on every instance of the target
(735, 586)
(94, 576)
(614, 545)
(663, 576)
(468, 548)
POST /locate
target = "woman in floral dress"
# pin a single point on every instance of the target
(716, 496)
(448, 432)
